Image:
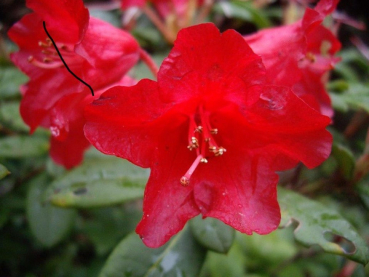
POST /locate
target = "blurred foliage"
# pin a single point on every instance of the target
(91, 233)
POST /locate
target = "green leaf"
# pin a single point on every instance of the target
(105, 227)
(212, 234)
(23, 146)
(345, 159)
(10, 116)
(244, 11)
(317, 222)
(48, 224)
(98, 182)
(221, 265)
(362, 188)
(181, 256)
(10, 80)
(356, 97)
(3, 171)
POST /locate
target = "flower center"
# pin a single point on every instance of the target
(201, 139)
(51, 58)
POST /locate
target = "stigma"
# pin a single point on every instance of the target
(201, 139)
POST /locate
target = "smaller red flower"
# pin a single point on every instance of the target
(213, 134)
(299, 55)
(94, 50)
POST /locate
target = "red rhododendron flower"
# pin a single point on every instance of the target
(212, 133)
(299, 55)
(95, 51)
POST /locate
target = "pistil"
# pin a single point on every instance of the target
(185, 180)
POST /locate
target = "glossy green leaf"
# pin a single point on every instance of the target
(345, 159)
(212, 234)
(316, 223)
(10, 116)
(23, 146)
(10, 81)
(98, 182)
(231, 264)
(3, 171)
(48, 224)
(181, 256)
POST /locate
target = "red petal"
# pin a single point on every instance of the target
(167, 204)
(280, 48)
(61, 13)
(124, 122)
(68, 141)
(42, 94)
(108, 48)
(239, 189)
(288, 126)
(194, 69)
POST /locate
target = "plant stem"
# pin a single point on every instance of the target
(155, 19)
(146, 58)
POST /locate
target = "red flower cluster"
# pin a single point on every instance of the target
(299, 55)
(213, 133)
(214, 128)
(94, 50)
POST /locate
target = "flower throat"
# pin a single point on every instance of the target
(201, 139)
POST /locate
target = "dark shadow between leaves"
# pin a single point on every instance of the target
(346, 245)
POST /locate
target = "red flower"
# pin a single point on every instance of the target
(299, 55)
(212, 133)
(95, 51)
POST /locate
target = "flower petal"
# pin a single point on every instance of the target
(167, 204)
(192, 66)
(59, 14)
(108, 49)
(68, 141)
(124, 122)
(240, 190)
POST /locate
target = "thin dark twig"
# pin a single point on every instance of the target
(70, 71)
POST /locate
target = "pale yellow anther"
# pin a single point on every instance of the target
(194, 143)
(203, 160)
(214, 131)
(198, 129)
(220, 151)
(212, 149)
(47, 60)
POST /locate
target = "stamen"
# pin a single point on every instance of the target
(311, 57)
(46, 64)
(220, 151)
(194, 144)
(43, 44)
(198, 129)
(200, 137)
(214, 131)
